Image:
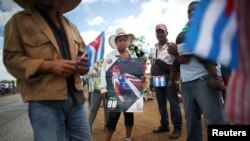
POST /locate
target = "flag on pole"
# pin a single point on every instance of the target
(159, 81)
(213, 32)
(95, 50)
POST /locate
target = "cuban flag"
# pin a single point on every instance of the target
(95, 50)
(213, 32)
(159, 81)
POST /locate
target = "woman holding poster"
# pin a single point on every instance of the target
(120, 71)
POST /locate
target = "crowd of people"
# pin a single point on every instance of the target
(43, 51)
(7, 88)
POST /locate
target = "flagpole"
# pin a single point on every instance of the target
(84, 55)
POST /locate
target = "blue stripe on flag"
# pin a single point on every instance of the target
(218, 29)
(89, 52)
(95, 53)
(100, 52)
(154, 82)
(159, 81)
(196, 25)
(219, 41)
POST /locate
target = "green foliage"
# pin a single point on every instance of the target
(138, 46)
(135, 49)
(6, 81)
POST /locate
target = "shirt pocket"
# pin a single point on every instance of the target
(38, 47)
(78, 48)
(77, 43)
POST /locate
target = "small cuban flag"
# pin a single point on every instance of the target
(159, 81)
(95, 50)
(213, 32)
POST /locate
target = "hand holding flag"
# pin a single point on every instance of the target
(82, 65)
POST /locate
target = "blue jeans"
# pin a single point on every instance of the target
(200, 99)
(175, 111)
(54, 124)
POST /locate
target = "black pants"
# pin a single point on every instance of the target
(113, 118)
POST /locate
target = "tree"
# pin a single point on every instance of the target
(139, 47)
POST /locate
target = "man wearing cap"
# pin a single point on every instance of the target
(42, 50)
(161, 63)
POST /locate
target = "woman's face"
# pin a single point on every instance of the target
(121, 42)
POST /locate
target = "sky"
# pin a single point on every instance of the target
(91, 17)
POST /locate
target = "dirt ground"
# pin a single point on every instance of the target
(143, 125)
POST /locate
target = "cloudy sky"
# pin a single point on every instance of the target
(94, 16)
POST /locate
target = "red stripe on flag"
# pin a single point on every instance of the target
(243, 63)
(232, 92)
(229, 7)
(242, 96)
(96, 43)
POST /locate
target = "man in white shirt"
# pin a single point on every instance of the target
(161, 63)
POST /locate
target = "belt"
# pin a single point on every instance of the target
(200, 78)
(203, 77)
(166, 76)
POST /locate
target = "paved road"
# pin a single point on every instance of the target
(14, 123)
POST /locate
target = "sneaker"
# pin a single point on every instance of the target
(176, 134)
(161, 129)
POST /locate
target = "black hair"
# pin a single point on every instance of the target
(180, 38)
(193, 2)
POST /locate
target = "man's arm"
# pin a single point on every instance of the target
(14, 58)
(181, 54)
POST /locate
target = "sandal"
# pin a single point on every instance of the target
(129, 139)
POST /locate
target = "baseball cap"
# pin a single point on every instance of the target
(161, 26)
